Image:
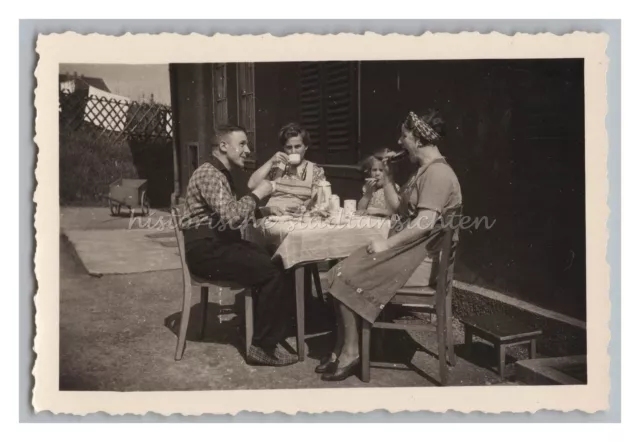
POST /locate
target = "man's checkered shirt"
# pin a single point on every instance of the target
(211, 199)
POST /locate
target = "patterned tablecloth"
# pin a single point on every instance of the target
(314, 240)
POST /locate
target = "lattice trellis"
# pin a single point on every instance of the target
(116, 119)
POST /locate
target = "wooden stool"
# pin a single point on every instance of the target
(501, 331)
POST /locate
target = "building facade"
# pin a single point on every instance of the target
(515, 139)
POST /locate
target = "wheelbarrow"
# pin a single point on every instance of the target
(131, 193)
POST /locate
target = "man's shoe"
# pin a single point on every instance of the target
(285, 356)
(274, 357)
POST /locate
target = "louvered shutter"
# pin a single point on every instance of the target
(338, 107)
(328, 106)
(311, 106)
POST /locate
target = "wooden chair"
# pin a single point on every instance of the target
(191, 282)
(425, 299)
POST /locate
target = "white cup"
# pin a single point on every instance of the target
(337, 216)
(350, 207)
(294, 159)
(335, 203)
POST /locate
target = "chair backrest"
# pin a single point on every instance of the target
(451, 221)
(177, 227)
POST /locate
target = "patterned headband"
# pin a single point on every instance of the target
(426, 131)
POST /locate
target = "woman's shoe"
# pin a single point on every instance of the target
(342, 373)
(327, 365)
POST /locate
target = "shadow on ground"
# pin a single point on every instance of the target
(118, 333)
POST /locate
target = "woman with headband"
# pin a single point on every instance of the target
(366, 281)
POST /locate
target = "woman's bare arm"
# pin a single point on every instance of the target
(416, 229)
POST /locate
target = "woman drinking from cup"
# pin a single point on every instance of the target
(296, 179)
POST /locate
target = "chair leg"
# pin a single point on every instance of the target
(248, 320)
(204, 303)
(318, 283)
(365, 351)
(299, 287)
(532, 349)
(501, 360)
(184, 322)
(379, 342)
(450, 344)
(442, 347)
(307, 281)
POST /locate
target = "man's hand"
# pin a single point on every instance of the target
(263, 189)
(295, 209)
(271, 211)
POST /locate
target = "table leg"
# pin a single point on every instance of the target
(299, 288)
(532, 349)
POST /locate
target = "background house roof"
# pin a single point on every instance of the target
(82, 82)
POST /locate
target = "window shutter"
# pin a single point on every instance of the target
(311, 104)
(328, 110)
(339, 109)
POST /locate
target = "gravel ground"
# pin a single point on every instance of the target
(117, 333)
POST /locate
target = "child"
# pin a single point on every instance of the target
(373, 201)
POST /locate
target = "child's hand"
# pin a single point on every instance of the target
(370, 185)
(386, 174)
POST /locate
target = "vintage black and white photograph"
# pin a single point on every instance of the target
(337, 224)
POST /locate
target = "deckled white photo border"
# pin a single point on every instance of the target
(55, 49)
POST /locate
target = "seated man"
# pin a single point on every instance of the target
(215, 249)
